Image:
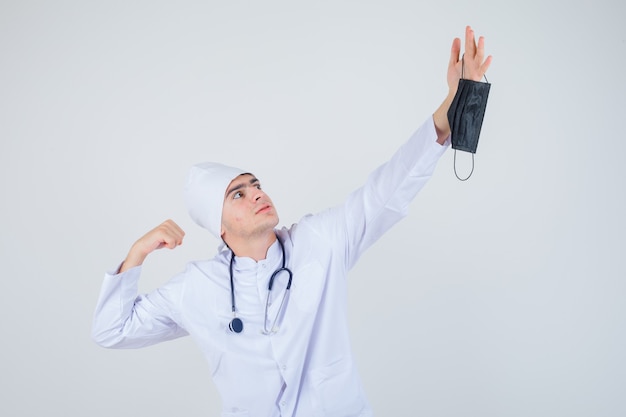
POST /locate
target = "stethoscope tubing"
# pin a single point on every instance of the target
(236, 324)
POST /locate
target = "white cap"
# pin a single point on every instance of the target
(204, 193)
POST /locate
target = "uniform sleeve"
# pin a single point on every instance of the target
(123, 319)
(384, 199)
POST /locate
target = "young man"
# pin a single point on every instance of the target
(269, 310)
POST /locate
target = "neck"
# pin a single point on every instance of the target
(251, 247)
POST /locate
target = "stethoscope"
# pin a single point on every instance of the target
(236, 325)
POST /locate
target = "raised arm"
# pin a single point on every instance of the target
(384, 199)
(124, 319)
(472, 64)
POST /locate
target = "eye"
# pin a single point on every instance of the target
(238, 194)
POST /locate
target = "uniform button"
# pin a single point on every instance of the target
(283, 367)
(283, 403)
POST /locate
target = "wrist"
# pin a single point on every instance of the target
(440, 118)
(134, 258)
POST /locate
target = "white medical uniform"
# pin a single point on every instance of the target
(306, 368)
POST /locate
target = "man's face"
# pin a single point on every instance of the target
(247, 209)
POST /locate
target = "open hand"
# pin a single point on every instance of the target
(472, 65)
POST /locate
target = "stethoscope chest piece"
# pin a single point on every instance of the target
(236, 325)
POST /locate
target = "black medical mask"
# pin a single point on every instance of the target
(465, 116)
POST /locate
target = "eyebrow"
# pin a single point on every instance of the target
(252, 181)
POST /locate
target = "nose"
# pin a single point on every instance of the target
(257, 194)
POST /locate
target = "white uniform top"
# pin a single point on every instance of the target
(306, 368)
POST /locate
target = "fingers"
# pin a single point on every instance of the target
(166, 235)
(455, 52)
(475, 62)
(169, 234)
(470, 45)
(485, 66)
(480, 50)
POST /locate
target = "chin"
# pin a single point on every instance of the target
(273, 222)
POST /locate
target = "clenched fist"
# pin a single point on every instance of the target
(166, 235)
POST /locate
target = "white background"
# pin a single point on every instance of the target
(500, 296)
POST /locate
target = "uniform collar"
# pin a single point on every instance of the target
(273, 258)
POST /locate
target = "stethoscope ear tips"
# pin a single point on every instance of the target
(236, 325)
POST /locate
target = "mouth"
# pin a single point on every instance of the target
(264, 209)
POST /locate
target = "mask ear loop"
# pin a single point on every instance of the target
(472, 171)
